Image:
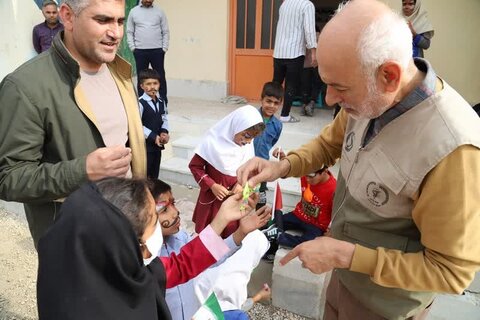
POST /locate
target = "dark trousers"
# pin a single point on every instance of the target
(289, 70)
(291, 222)
(311, 85)
(153, 163)
(156, 58)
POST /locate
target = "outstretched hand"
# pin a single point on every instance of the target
(258, 170)
(255, 219)
(251, 222)
(322, 254)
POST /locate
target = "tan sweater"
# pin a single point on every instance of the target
(446, 212)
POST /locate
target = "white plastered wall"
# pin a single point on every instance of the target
(196, 63)
(17, 19)
(455, 48)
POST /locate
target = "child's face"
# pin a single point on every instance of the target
(270, 105)
(318, 177)
(168, 214)
(244, 137)
(151, 87)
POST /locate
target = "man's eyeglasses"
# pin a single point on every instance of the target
(312, 175)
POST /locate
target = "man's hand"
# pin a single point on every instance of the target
(313, 57)
(252, 221)
(158, 141)
(108, 162)
(322, 254)
(219, 191)
(257, 170)
(164, 138)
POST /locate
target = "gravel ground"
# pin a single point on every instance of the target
(18, 270)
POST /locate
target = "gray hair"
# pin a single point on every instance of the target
(77, 5)
(387, 38)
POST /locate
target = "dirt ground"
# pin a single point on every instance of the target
(18, 270)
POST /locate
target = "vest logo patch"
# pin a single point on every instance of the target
(349, 141)
(377, 194)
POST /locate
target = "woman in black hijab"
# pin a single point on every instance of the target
(91, 261)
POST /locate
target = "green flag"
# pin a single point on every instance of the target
(210, 310)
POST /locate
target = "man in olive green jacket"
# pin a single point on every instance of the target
(55, 135)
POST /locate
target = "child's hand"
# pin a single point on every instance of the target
(229, 211)
(255, 220)
(164, 137)
(278, 152)
(219, 191)
(158, 141)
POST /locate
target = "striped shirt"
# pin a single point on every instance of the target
(295, 29)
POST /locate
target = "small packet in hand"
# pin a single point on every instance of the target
(247, 192)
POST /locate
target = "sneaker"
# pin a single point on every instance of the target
(308, 109)
(290, 119)
(269, 257)
(271, 232)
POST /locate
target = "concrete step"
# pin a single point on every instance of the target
(184, 147)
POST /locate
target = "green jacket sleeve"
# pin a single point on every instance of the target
(26, 173)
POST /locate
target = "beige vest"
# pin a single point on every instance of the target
(377, 184)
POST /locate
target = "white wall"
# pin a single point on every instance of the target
(196, 63)
(17, 19)
(455, 48)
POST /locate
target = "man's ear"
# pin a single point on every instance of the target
(389, 76)
(66, 16)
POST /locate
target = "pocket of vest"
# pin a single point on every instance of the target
(387, 171)
(373, 238)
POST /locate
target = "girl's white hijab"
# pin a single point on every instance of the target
(419, 19)
(218, 147)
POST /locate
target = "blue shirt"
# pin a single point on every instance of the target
(265, 141)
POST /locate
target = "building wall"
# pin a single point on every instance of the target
(17, 19)
(455, 48)
(196, 63)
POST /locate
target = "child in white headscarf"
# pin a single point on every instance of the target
(422, 29)
(225, 147)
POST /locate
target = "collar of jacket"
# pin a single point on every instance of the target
(72, 66)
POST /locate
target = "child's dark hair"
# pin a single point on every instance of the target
(272, 89)
(259, 127)
(158, 187)
(130, 196)
(324, 168)
(148, 74)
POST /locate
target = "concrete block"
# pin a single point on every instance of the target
(475, 285)
(297, 289)
(458, 307)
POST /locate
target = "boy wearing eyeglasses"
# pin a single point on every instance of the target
(311, 215)
(181, 299)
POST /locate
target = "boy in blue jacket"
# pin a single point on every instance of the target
(272, 98)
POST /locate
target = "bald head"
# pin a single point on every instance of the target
(367, 31)
(362, 55)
